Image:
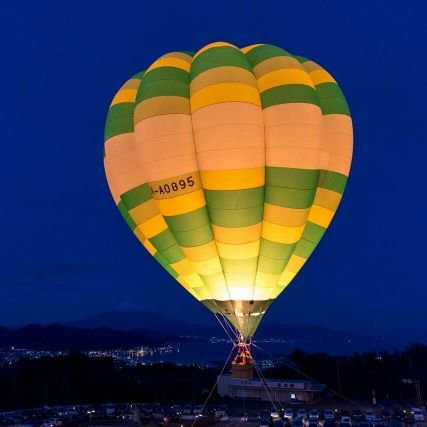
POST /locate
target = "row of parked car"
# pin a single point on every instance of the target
(367, 418)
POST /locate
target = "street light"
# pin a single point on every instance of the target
(417, 387)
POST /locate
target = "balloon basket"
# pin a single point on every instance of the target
(242, 365)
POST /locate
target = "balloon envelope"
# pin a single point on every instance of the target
(228, 165)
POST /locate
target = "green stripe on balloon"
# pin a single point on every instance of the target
(173, 254)
(119, 120)
(305, 179)
(129, 221)
(236, 217)
(166, 73)
(261, 53)
(289, 197)
(234, 199)
(136, 196)
(218, 57)
(191, 229)
(286, 94)
(163, 240)
(196, 237)
(162, 88)
(332, 181)
(188, 221)
(271, 265)
(276, 250)
(304, 248)
(165, 265)
(239, 266)
(313, 232)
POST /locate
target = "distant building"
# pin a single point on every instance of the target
(282, 390)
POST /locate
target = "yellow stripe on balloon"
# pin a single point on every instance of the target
(246, 49)
(242, 251)
(240, 293)
(285, 216)
(225, 74)
(218, 293)
(182, 204)
(321, 76)
(216, 280)
(193, 280)
(124, 95)
(157, 105)
(286, 278)
(233, 179)
(150, 248)
(140, 235)
(145, 242)
(237, 235)
(276, 63)
(224, 92)
(181, 280)
(281, 233)
(201, 253)
(310, 66)
(153, 226)
(266, 280)
(320, 216)
(211, 45)
(208, 267)
(327, 198)
(183, 267)
(283, 77)
(170, 62)
(144, 211)
(295, 263)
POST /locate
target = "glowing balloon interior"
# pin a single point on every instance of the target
(228, 165)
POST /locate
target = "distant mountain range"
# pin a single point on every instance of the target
(57, 337)
(119, 329)
(305, 336)
(154, 321)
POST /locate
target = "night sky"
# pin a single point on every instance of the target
(65, 251)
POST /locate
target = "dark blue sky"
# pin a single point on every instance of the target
(66, 253)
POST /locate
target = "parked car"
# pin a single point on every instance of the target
(378, 422)
(298, 421)
(418, 415)
(302, 413)
(314, 415)
(198, 410)
(187, 410)
(369, 416)
(328, 415)
(356, 415)
(386, 414)
(288, 414)
(274, 414)
(346, 420)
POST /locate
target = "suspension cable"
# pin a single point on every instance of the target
(312, 379)
(214, 386)
(263, 382)
(230, 327)
(266, 382)
(225, 329)
(260, 373)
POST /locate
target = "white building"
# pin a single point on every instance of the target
(282, 390)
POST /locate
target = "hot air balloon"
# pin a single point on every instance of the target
(229, 165)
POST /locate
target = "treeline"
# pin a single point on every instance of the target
(77, 378)
(359, 375)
